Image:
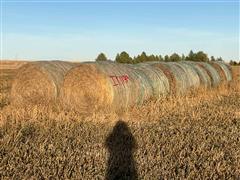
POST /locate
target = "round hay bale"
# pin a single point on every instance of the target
(158, 80)
(212, 72)
(92, 86)
(39, 82)
(191, 78)
(169, 74)
(223, 69)
(85, 87)
(177, 75)
(205, 79)
(220, 71)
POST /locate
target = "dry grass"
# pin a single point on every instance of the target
(6, 78)
(236, 72)
(195, 136)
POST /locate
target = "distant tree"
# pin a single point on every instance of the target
(234, 63)
(136, 59)
(153, 58)
(201, 56)
(157, 58)
(166, 58)
(213, 58)
(101, 57)
(123, 57)
(161, 58)
(175, 57)
(191, 56)
(219, 59)
(183, 58)
(141, 58)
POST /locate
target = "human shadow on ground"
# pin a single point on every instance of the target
(121, 145)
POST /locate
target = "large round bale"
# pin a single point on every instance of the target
(92, 86)
(223, 70)
(179, 76)
(39, 82)
(190, 76)
(212, 72)
(169, 73)
(205, 79)
(157, 79)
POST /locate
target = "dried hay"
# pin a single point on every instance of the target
(226, 70)
(170, 76)
(190, 77)
(220, 71)
(92, 86)
(235, 72)
(205, 80)
(9, 64)
(157, 78)
(85, 88)
(39, 82)
(212, 72)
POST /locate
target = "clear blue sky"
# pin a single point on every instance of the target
(81, 30)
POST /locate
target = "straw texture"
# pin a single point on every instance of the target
(212, 72)
(102, 85)
(39, 82)
(91, 86)
(223, 69)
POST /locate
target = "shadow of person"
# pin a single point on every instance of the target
(121, 145)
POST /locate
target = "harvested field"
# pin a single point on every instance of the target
(6, 78)
(236, 72)
(195, 136)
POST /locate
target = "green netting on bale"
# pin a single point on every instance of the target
(180, 77)
(226, 70)
(122, 85)
(119, 86)
(191, 78)
(159, 81)
(205, 80)
(212, 72)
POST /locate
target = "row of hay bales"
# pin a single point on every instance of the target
(93, 85)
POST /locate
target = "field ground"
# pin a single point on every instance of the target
(195, 136)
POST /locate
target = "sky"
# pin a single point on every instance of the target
(80, 30)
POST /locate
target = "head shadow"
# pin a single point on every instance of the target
(121, 145)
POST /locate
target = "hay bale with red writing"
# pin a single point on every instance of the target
(103, 85)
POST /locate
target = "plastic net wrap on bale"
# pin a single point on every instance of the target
(212, 72)
(223, 69)
(91, 86)
(182, 77)
(190, 76)
(205, 80)
(39, 82)
(159, 82)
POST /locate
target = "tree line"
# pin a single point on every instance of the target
(234, 63)
(124, 57)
